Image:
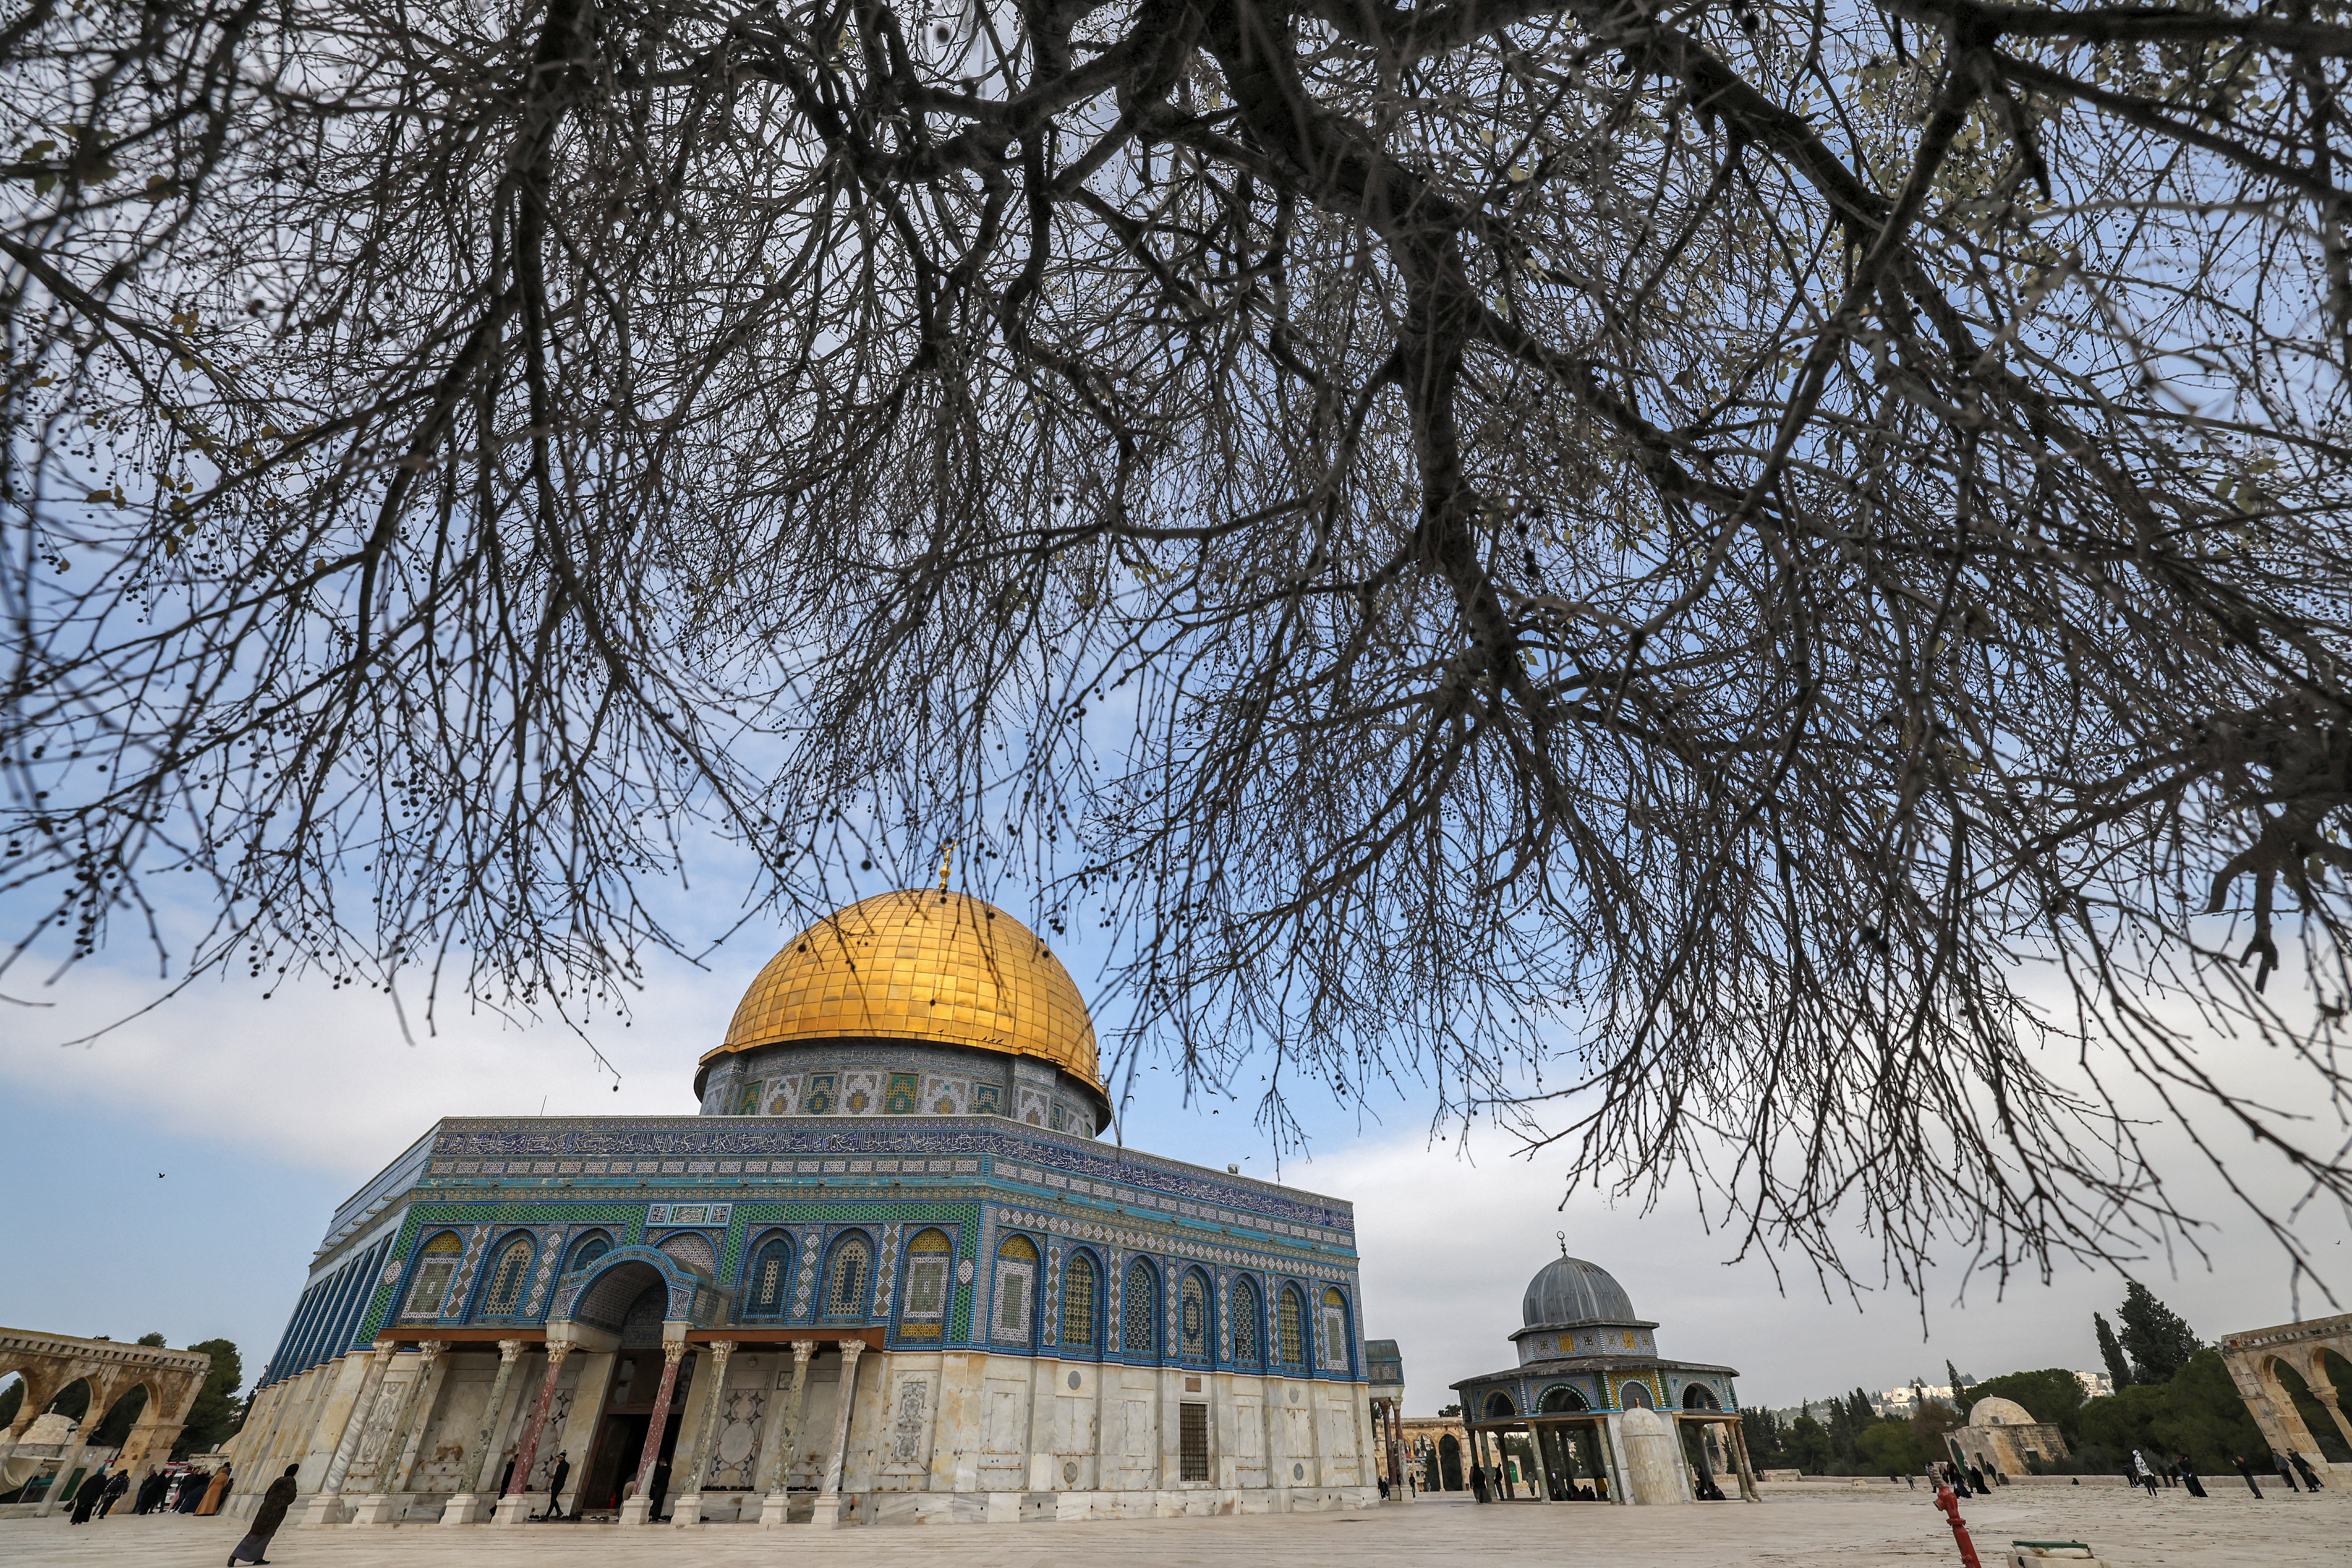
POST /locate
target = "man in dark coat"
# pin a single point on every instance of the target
(556, 1486)
(2247, 1470)
(267, 1518)
(151, 1491)
(2303, 1467)
(113, 1493)
(93, 1487)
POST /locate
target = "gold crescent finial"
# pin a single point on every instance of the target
(1563, 1242)
(947, 859)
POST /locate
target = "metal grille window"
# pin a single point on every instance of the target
(845, 1294)
(1192, 1316)
(507, 1280)
(772, 1274)
(1079, 1303)
(1293, 1328)
(431, 1287)
(1194, 1440)
(1245, 1300)
(1135, 1336)
(1016, 1276)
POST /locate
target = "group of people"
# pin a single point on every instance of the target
(163, 1492)
(2181, 1473)
(1964, 1479)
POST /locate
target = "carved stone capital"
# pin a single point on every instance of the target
(511, 1350)
(802, 1350)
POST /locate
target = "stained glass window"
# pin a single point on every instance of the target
(1292, 1343)
(845, 1294)
(1245, 1352)
(769, 1280)
(1078, 1303)
(507, 1279)
(1135, 1307)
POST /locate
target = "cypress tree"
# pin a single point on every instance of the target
(2119, 1369)
(2157, 1339)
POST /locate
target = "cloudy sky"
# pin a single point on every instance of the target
(175, 1175)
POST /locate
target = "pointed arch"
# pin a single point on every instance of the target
(1081, 1293)
(430, 1275)
(923, 1299)
(1195, 1312)
(1249, 1323)
(1013, 1316)
(848, 1275)
(768, 1281)
(508, 1277)
(1139, 1310)
(1290, 1329)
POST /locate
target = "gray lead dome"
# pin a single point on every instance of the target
(1568, 1291)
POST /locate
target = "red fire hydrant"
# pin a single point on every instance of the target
(1951, 1507)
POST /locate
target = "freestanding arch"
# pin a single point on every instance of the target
(2255, 1358)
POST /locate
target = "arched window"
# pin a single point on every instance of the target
(1634, 1397)
(434, 1265)
(1563, 1397)
(1698, 1396)
(845, 1287)
(1135, 1309)
(508, 1277)
(769, 1280)
(1016, 1287)
(1192, 1316)
(1078, 1303)
(1499, 1406)
(923, 1307)
(1245, 1323)
(1291, 1341)
(584, 1253)
(1335, 1336)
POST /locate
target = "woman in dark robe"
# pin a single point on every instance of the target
(93, 1487)
(151, 1491)
(191, 1492)
(267, 1518)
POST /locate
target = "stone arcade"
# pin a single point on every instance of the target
(887, 1275)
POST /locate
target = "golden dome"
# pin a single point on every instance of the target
(921, 965)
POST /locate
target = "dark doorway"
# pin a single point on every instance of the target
(1449, 1463)
(621, 1434)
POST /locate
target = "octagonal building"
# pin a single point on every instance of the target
(888, 1275)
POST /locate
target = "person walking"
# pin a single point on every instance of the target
(150, 1492)
(2141, 1475)
(93, 1487)
(115, 1487)
(2187, 1471)
(2286, 1470)
(556, 1486)
(2247, 1470)
(267, 1518)
(2303, 1467)
(1478, 1482)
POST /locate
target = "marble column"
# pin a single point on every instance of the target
(326, 1506)
(785, 1433)
(1736, 1434)
(392, 1467)
(514, 1508)
(711, 1388)
(467, 1507)
(638, 1507)
(828, 1503)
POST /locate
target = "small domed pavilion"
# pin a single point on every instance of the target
(1592, 1412)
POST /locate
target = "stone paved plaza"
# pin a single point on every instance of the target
(1858, 1528)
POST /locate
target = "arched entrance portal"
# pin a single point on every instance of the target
(1449, 1463)
(631, 1298)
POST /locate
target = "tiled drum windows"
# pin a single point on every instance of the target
(507, 1279)
(1135, 1309)
(1292, 1336)
(845, 1289)
(1192, 1318)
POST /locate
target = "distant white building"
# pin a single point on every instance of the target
(2096, 1384)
